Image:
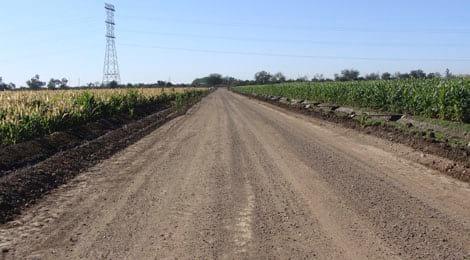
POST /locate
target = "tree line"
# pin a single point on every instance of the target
(5, 86)
(35, 83)
(352, 74)
(215, 79)
(264, 77)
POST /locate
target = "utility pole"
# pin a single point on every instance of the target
(111, 66)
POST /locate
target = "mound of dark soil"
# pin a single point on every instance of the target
(15, 156)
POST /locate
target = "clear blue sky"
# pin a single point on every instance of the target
(183, 39)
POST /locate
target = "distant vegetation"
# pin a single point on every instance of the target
(431, 97)
(215, 79)
(264, 77)
(35, 83)
(5, 86)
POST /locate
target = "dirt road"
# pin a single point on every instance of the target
(236, 178)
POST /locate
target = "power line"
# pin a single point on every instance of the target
(319, 57)
(44, 55)
(53, 26)
(266, 40)
(402, 29)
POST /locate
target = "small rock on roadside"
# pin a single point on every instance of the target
(296, 101)
(15, 223)
(36, 224)
(284, 101)
(345, 110)
(5, 247)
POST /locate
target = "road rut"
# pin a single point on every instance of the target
(237, 178)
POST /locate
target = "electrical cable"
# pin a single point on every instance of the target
(318, 57)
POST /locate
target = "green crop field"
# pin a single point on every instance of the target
(28, 114)
(447, 99)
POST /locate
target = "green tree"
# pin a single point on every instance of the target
(3, 86)
(302, 79)
(372, 76)
(278, 78)
(215, 79)
(161, 83)
(63, 83)
(230, 81)
(433, 75)
(53, 83)
(35, 83)
(386, 76)
(113, 84)
(263, 77)
(399, 75)
(348, 75)
(211, 80)
(417, 74)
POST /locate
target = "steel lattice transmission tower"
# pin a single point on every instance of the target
(111, 66)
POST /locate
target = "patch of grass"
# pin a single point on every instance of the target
(463, 127)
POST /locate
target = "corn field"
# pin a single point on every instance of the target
(28, 114)
(447, 99)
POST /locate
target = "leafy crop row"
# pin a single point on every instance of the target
(28, 114)
(432, 98)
